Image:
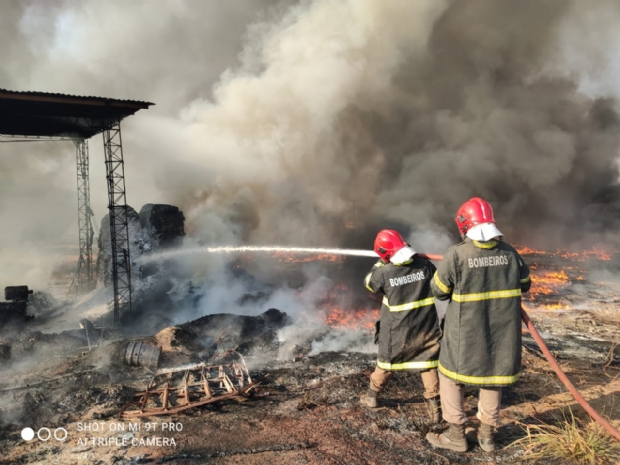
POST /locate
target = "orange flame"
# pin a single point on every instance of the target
(546, 283)
(599, 254)
(595, 252)
(352, 319)
(523, 250)
(557, 306)
(552, 306)
(551, 276)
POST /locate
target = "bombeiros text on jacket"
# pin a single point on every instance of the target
(487, 261)
(410, 278)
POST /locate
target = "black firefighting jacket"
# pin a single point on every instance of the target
(409, 332)
(481, 342)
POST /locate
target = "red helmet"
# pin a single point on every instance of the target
(387, 243)
(474, 211)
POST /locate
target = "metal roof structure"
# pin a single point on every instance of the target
(42, 114)
(45, 116)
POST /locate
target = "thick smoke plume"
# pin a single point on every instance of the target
(399, 111)
(320, 122)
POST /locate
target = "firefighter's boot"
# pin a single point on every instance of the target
(434, 409)
(453, 438)
(369, 399)
(483, 437)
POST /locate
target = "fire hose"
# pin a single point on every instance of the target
(554, 364)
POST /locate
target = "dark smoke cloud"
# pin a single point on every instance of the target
(493, 120)
(396, 113)
(292, 122)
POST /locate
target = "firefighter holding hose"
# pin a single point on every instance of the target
(408, 332)
(483, 277)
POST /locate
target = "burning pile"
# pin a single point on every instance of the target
(553, 273)
(343, 313)
(578, 256)
(548, 284)
(354, 319)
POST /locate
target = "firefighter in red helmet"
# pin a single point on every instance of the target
(408, 332)
(483, 277)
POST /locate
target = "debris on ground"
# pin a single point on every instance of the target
(201, 402)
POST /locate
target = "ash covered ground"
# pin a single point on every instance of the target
(305, 408)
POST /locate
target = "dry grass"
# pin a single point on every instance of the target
(573, 440)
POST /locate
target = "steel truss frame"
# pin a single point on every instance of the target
(84, 280)
(117, 204)
(119, 222)
(85, 276)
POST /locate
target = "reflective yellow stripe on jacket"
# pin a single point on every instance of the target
(445, 289)
(485, 245)
(408, 306)
(482, 380)
(408, 365)
(486, 295)
(379, 264)
(524, 280)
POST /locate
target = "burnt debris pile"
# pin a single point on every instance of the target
(15, 307)
(164, 223)
(156, 227)
(48, 372)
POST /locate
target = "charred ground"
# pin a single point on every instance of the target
(305, 409)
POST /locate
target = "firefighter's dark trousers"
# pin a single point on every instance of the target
(453, 396)
(380, 377)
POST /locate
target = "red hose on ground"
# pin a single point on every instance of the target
(558, 371)
(554, 364)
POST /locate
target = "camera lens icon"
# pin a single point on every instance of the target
(44, 434)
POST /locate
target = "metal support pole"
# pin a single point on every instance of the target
(85, 281)
(119, 224)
